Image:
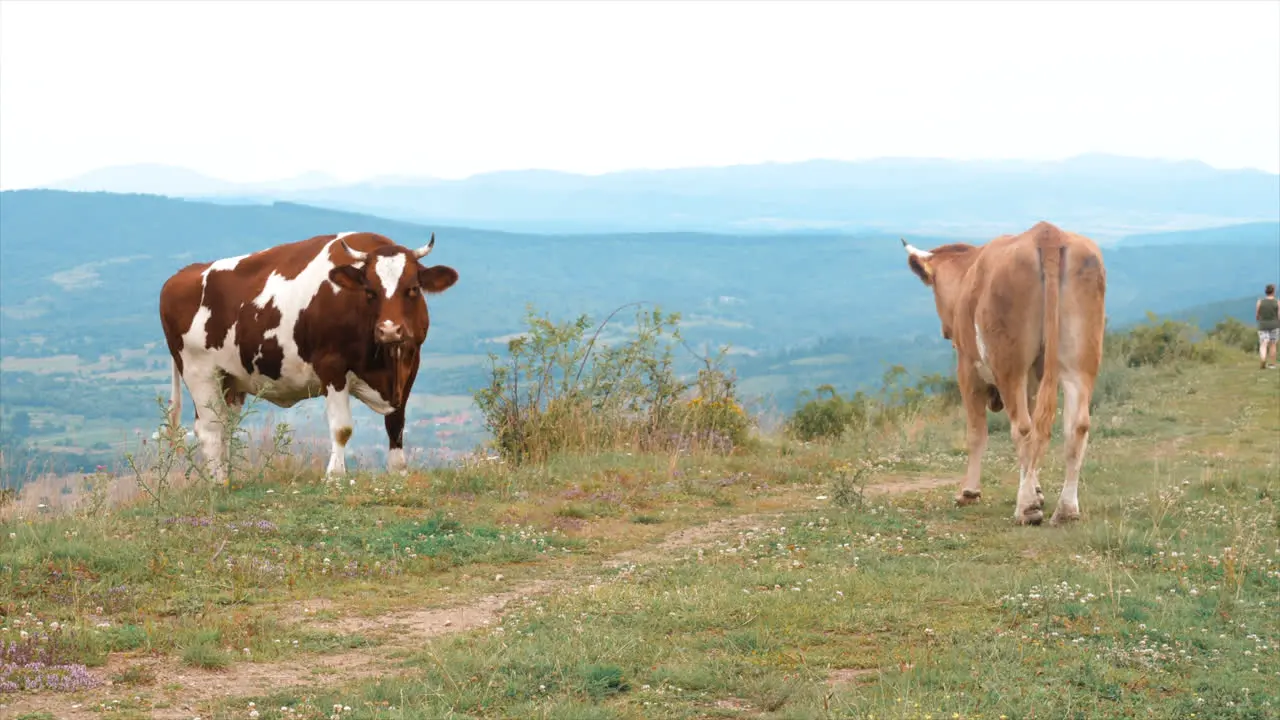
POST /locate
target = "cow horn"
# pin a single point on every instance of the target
(912, 250)
(359, 256)
(425, 249)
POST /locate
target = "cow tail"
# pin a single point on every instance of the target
(1050, 246)
(175, 397)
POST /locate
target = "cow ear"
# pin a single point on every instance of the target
(921, 268)
(348, 277)
(437, 278)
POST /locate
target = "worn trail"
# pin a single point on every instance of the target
(181, 691)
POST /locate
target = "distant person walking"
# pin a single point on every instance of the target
(1267, 313)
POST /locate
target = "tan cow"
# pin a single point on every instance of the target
(1022, 309)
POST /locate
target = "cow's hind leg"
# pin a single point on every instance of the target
(1030, 505)
(337, 408)
(976, 395)
(1077, 389)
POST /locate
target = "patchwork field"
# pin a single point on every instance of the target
(788, 580)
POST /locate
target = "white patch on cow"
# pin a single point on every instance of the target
(337, 409)
(981, 364)
(196, 335)
(367, 395)
(224, 264)
(389, 270)
(298, 379)
(985, 373)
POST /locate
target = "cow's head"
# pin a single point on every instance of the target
(392, 283)
(942, 269)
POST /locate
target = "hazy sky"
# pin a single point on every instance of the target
(256, 91)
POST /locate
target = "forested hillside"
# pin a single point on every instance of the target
(82, 272)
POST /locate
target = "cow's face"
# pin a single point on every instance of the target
(392, 283)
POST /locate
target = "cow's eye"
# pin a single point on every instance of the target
(412, 292)
(369, 294)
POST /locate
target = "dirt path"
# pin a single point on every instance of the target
(186, 690)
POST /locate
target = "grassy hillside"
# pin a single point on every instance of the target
(821, 580)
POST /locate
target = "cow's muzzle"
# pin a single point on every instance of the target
(389, 333)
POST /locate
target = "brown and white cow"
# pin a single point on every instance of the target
(1022, 309)
(339, 315)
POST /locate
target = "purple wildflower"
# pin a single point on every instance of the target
(192, 521)
(260, 525)
(39, 676)
(41, 661)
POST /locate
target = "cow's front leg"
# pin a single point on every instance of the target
(975, 397)
(394, 423)
(337, 408)
(205, 386)
(208, 431)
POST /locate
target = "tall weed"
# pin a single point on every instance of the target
(560, 391)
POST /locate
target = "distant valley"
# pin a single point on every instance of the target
(82, 357)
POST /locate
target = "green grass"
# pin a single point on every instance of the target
(1161, 602)
(206, 655)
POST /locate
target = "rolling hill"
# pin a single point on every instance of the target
(1103, 195)
(1258, 233)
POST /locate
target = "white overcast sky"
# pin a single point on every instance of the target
(255, 91)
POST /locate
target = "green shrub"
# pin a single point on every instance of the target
(715, 413)
(827, 415)
(1233, 333)
(601, 680)
(559, 391)
(206, 656)
(1210, 350)
(1159, 342)
(945, 387)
